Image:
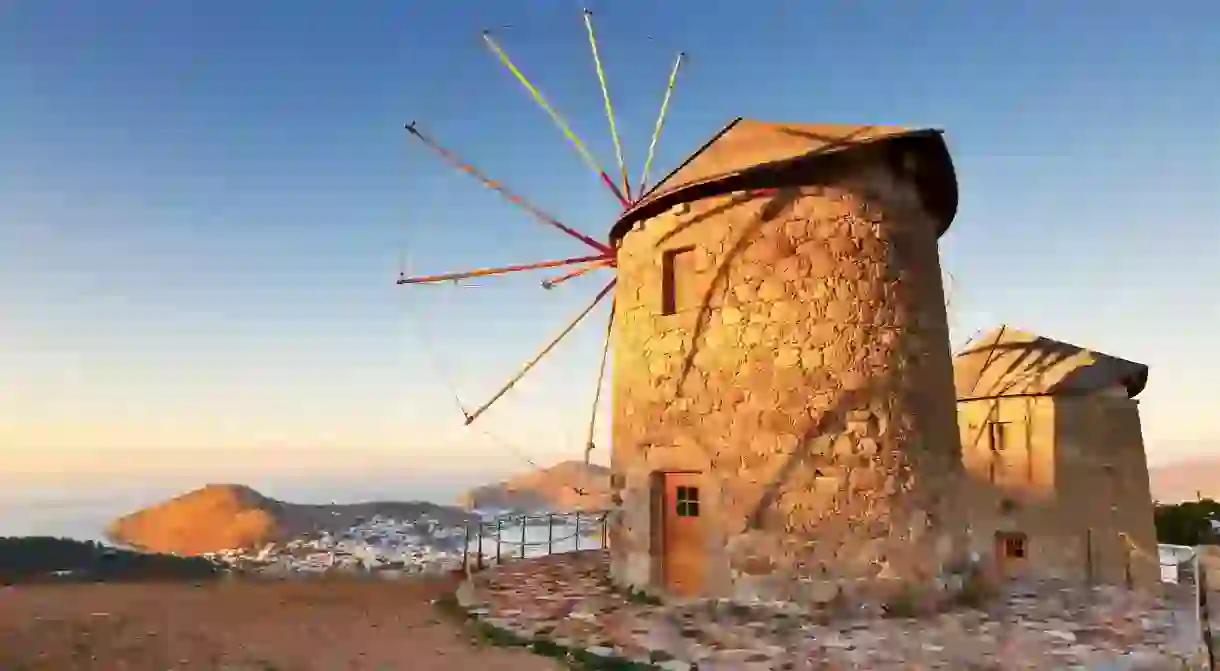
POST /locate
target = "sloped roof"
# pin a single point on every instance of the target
(746, 146)
(1011, 362)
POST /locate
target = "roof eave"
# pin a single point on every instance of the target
(940, 190)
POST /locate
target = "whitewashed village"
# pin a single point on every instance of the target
(391, 548)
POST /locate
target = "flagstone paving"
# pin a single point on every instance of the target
(568, 599)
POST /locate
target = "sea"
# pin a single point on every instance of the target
(82, 511)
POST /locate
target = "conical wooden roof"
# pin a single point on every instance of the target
(747, 145)
(1011, 362)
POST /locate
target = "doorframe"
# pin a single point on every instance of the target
(658, 504)
(1004, 563)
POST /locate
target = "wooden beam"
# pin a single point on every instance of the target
(538, 357)
(499, 188)
(484, 272)
(554, 281)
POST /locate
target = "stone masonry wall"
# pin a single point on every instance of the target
(808, 378)
(1017, 489)
(1072, 476)
(1100, 451)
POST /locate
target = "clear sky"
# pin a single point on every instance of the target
(204, 205)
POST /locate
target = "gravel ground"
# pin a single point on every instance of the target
(315, 625)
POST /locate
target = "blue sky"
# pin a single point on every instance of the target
(203, 206)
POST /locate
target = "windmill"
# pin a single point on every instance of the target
(783, 379)
(598, 256)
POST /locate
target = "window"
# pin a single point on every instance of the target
(677, 266)
(687, 501)
(995, 436)
(995, 442)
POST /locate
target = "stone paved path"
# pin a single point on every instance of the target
(568, 599)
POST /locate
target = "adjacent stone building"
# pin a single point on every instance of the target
(783, 421)
(1051, 441)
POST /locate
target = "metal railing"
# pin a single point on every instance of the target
(1184, 577)
(525, 536)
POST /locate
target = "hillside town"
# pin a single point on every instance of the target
(393, 548)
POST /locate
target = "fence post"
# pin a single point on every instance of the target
(499, 527)
(524, 518)
(478, 557)
(577, 531)
(605, 529)
(1088, 555)
(1128, 579)
(466, 548)
(1202, 615)
(550, 533)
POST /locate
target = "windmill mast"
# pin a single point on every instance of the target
(604, 253)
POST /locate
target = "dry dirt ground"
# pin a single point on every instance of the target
(316, 625)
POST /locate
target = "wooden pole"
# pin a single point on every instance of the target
(656, 131)
(552, 282)
(601, 79)
(499, 188)
(503, 270)
(559, 121)
(597, 391)
(545, 350)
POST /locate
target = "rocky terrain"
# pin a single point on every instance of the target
(566, 486)
(228, 517)
(570, 602)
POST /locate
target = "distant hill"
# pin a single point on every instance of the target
(566, 486)
(1179, 481)
(226, 516)
(42, 559)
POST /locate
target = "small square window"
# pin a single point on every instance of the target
(687, 501)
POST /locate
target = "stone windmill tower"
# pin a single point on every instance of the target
(783, 405)
(783, 394)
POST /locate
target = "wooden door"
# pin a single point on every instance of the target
(682, 543)
(1011, 553)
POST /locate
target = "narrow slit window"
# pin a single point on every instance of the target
(677, 269)
(995, 436)
(995, 446)
(687, 501)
